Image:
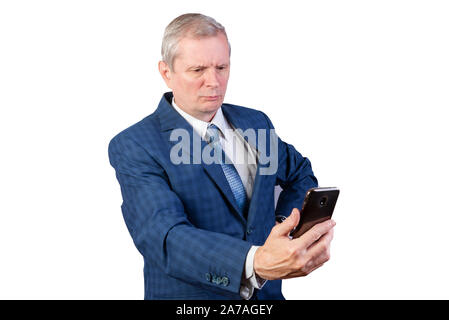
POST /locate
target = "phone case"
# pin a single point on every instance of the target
(318, 206)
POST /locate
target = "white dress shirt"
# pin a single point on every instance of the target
(237, 150)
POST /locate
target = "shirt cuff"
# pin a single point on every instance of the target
(256, 281)
(250, 279)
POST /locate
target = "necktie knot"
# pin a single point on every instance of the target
(212, 133)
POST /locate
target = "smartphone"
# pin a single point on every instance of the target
(318, 206)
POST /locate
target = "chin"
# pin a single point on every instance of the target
(212, 105)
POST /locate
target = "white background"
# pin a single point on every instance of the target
(359, 87)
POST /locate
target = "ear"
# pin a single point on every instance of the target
(165, 72)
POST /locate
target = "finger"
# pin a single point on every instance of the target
(311, 265)
(320, 246)
(304, 272)
(315, 233)
(320, 260)
(284, 228)
(327, 237)
(316, 266)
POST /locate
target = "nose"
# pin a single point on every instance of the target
(211, 78)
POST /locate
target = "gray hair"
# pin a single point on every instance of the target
(195, 25)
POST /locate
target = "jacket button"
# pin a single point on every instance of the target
(225, 281)
(249, 231)
(208, 277)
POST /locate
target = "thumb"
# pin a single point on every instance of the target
(289, 224)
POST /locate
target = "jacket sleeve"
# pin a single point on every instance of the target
(294, 176)
(161, 231)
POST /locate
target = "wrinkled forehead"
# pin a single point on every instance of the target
(204, 51)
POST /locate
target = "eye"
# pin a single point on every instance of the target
(197, 70)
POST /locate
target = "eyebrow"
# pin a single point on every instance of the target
(202, 66)
(196, 67)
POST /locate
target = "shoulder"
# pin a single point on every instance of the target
(243, 110)
(141, 132)
(254, 116)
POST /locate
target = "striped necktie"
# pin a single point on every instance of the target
(231, 174)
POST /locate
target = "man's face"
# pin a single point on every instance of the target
(200, 75)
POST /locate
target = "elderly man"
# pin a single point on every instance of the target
(207, 229)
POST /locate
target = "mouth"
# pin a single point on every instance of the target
(211, 98)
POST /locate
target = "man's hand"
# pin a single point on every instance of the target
(282, 258)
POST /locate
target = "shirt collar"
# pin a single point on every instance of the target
(200, 126)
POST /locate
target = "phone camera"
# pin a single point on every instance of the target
(323, 201)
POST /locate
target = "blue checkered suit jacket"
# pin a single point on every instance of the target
(183, 218)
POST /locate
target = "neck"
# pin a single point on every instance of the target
(206, 117)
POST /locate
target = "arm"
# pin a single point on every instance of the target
(281, 257)
(160, 229)
(294, 175)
